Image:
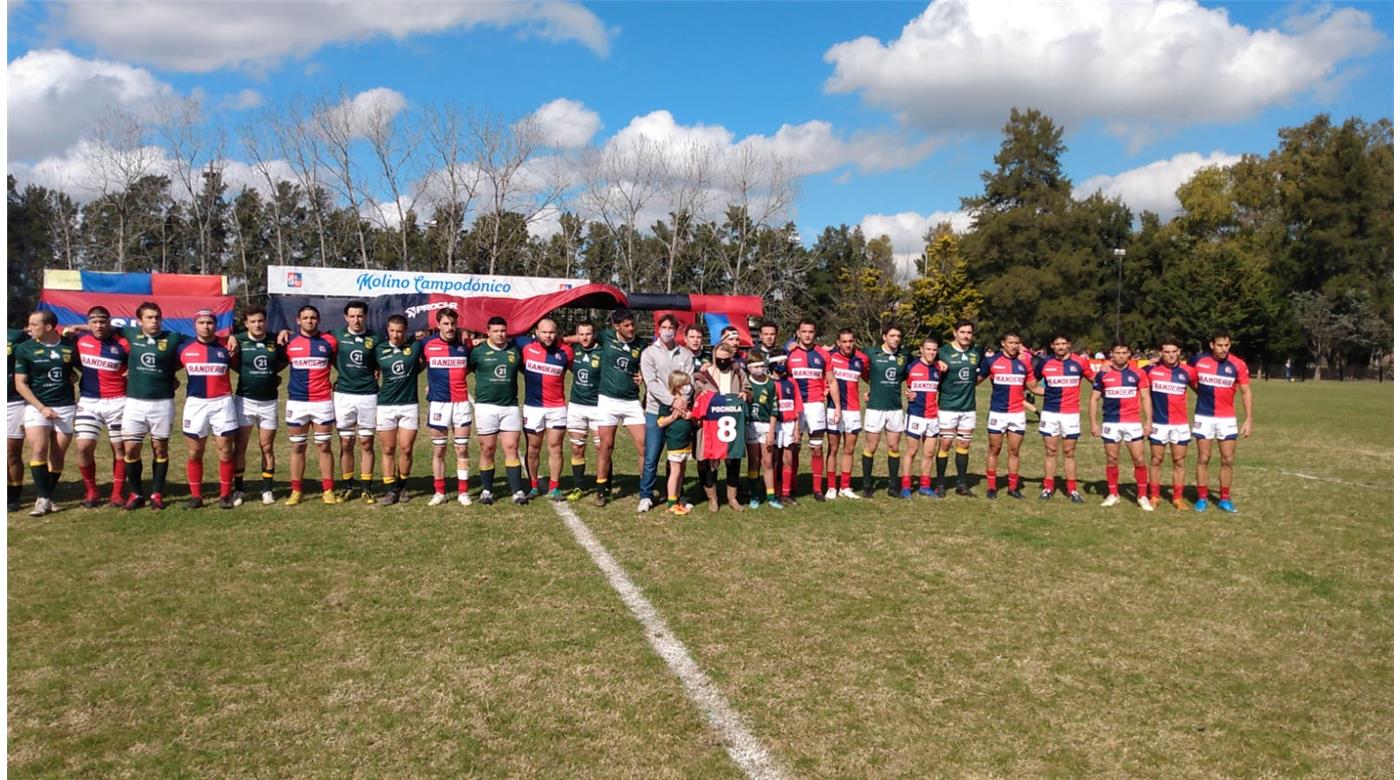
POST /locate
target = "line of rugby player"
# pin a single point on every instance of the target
(920, 402)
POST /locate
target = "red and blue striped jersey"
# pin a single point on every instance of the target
(922, 378)
(1122, 389)
(1062, 378)
(310, 359)
(103, 364)
(447, 369)
(1010, 378)
(207, 369)
(788, 398)
(807, 368)
(846, 372)
(544, 372)
(1169, 385)
(1216, 383)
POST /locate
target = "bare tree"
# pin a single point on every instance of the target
(257, 145)
(395, 146)
(299, 146)
(197, 164)
(515, 181)
(686, 182)
(623, 181)
(338, 126)
(759, 189)
(119, 156)
(456, 175)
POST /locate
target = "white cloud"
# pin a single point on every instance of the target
(906, 231)
(1152, 187)
(55, 96)
(242, 100)
(201, 37)
(566, 124)
(962, 65)
(365, 112)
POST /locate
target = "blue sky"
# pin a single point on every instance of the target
(1152, 86)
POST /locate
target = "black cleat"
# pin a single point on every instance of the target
(389, 499)
(992, 494)
(893, 492)
(1016, 494)
(1046, 495)
(962, 490)
(226, 502)
(195, 503)
(1075, 498)
(90, 503)
(868, 493)
(818, 496)
(158, 503)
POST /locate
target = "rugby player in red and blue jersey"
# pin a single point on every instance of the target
(1218, 376)
(310, 355)
(921, 378)
(1168, 381)
(806, 363)
(844, 369)
(1121, 386)
(209, 407)
(102, 356)
(1061, 373)
(449, 404)
(1011, 378)
(547, 361)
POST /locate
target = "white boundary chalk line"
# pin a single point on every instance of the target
(743, 748)
(1317, 478)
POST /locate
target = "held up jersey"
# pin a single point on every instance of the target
(722, 418)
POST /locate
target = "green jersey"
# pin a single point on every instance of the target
(764, 406)
(50, 368)
(399, 368)
(586, 369)
(886, 379)
(354, 362)
(497, 371)
(259, 361)
(958, 390)
(622, 360)
(152, 363)
(680, 436)
(13, 337)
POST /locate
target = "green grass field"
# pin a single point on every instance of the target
(876, 638)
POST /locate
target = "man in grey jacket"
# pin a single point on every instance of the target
(658, 361)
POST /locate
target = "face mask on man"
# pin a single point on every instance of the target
(724, 364)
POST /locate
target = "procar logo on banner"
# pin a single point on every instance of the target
(348, 282)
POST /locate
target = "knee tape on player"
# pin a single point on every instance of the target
(87, 427)
(297, 438)
(322, 438)
(460, 441)
(439, 441)
(815, 444)
(366, 433)
(578, 442)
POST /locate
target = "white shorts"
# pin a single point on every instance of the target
(678, 456)
(1006, 422)
(94, 414)
(756, 432)
(814, 417)
(303, 412)
(355, 411)
(449, 414)
(14, 419)
(920, 427)
(583, 418)
(1061, 424)
(786, 435)
(877, 420)
(64, 423)
(538, 418)
(206, 415)
(1221, 428)
(1122, 432)
(847, 421)
(615, 411)
(254, 413)
(402, 417)
(492, 418)
(1170, 434)
(141, 416)
(962, 422)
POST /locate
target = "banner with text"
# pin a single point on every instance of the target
(349, 282)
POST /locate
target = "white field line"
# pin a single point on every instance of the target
(1319, 479)
(743, 748)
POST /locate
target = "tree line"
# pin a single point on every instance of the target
(1291, 251)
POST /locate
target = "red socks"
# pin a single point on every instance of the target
(1140, 474)
(225, 478)
(1013, 481)
(1178, 490)
(462, 486)
(907, 481)
(817, 467)
(439, 485)
(1224, 492)
(787, 482)
(118, 479)
(89, 479)
(328, 485)
(194, 471)
(925, 481)
(845, 480)
(1048, 483)
(831, 480)
(296, 486)
(1112, 480)
(1202, 492)
(991, 479)
(1072, 485)
(1156, 488)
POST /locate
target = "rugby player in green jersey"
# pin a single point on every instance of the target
(619, 401)
(583, 400)
(884, 408)
(957, 403)
(399, 364)
(258, 361)
(45, 368)
(356, 399)
(497, 365)
(14, 420)
(152, 361)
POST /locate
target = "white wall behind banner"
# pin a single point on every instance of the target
(350, 282)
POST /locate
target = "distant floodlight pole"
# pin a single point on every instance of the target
(1119, 254)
